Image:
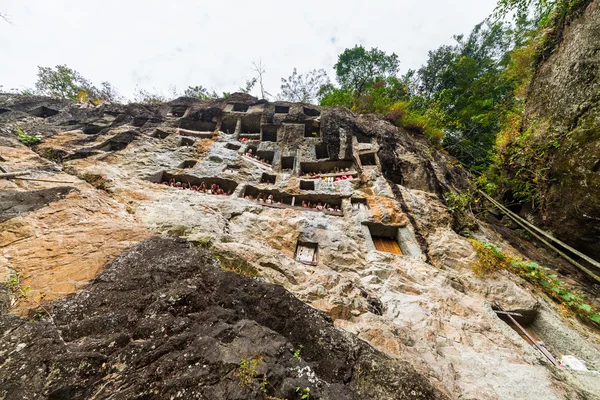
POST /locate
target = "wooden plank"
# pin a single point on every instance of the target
(387, 245)
(9, 175)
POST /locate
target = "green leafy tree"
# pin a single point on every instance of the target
(66, 83)
(60, 81)
(466, 84)
(304, 88)
(358, 69)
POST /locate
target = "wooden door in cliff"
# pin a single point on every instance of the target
(306, 253)
(388, 245)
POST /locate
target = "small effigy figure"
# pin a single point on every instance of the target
(319, 206)
(250, 153)
(304, 204)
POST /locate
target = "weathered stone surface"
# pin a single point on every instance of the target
(166, 310)
(424, 306)
(563, 116)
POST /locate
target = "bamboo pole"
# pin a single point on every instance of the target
(8, 175)
(525, 225)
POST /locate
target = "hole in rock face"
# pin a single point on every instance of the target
(159, 134)
(306, 252)
(385, 238)
(231, 168)
(119, 141)
(251, 124)
(287, 163)
(227, 185)
(251, 151)
(282, 110)
(4, 110)
(312, 129)
(188, 164)
(362, 138)
(92, 129)
(269, 133)
(321, 151)
(199, 126)
(43, 112)
(525, 323)
(265, 156)
(328, 167)
(596, 167)
(238, 107)
(310, 202)
(186, 142)
(368, 159)
(359, 204)
(311, 112)
(267, 178)
(178, 111)
(233, 146)
(307, 185)
(228, 125)
(138, 122)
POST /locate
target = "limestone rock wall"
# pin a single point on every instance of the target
(424, 307)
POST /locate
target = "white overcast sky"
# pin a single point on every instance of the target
(157, 44)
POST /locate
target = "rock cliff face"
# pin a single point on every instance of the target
(563, 116)
(315, 205)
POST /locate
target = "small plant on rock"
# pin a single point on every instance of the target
(27, 140)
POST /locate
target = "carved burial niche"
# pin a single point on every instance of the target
(306, 253)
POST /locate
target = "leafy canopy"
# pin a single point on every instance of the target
(66, 83)
(358, 68)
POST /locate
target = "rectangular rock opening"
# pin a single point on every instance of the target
(359, 204)
(269, 133)
(282, 110)
(331, 205)
(229, 124)
(327, 167)
(321, 151)
(231, 168)
(233, 146)
(368, 159)
(177, 111)
(185, 141)
(251, 124)
(227, 186)
(362, 138)
(312, 129)
(307, 185)
(268, 178)
(306, 253)
(251, 151)
(159, 134)
(239, 107)
(311, 112)
(287, 163)
(188, 164)
(385, 238)
(198, 126)
(43, 112)
(522, 322)
(265, 156)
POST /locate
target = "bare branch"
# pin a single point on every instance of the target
(5, 17)
(260, 70)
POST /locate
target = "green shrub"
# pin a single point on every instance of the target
(27, 140)
(491, 258)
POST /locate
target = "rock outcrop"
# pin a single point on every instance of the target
(162, 321)
(356, 228)
(560, 148)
